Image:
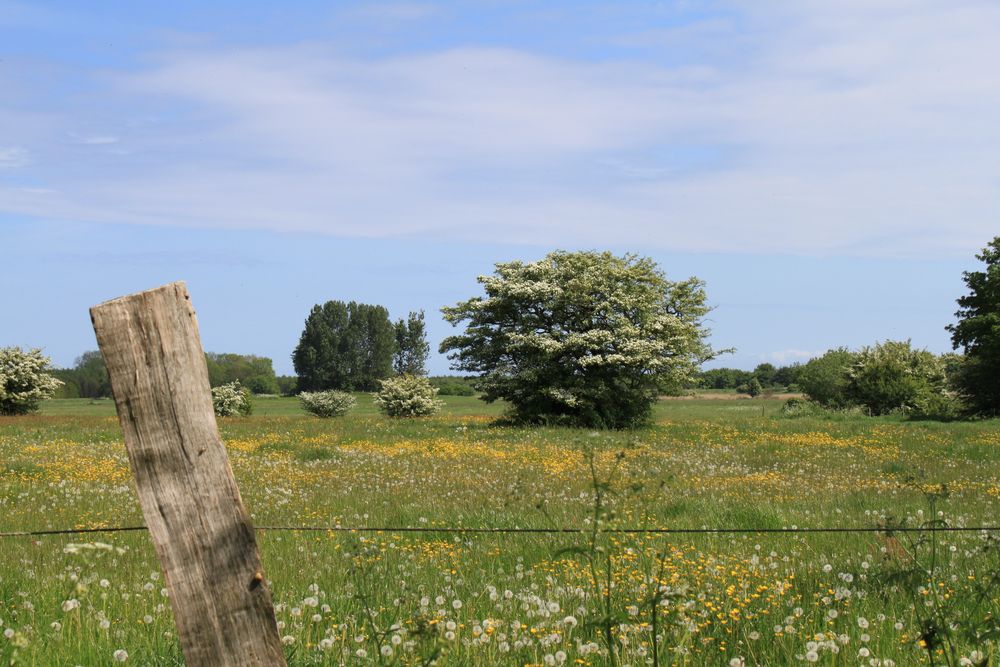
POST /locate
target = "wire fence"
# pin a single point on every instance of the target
(887, 530)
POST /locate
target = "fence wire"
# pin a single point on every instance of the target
(887, 530)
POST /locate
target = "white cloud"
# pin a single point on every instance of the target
(12, 156)
(852, 128)
(94, 139)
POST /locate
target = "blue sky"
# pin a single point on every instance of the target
(829, 168)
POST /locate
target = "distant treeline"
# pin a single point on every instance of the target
(88, 378)
(767, 375)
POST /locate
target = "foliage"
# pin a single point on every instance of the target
(892, 376)
(288, 385)
(788, 376)
(25, 380)
(346, 346)
(89, 376)
(68, 388)
(941, 406)
(453, 385)
(800, 407)
(330, 403)
(253, 372)
(412, 348)
(825, 380)
(231, 400)
(407, 396)
(582, 338)
(977, 332)
(765, 374)
(752, 388)
(723, 378)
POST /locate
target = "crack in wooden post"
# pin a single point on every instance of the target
(201, 531)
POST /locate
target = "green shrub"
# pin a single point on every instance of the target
(752, 388)
(453, 386)
(327, 403)
(25, 380)
(800, 407)
(407, 396)
(938, 406)
(231, 400)
(825, 379)
(892, 376)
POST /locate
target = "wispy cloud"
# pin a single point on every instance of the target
(12, 156)
(852, 128)
(93, 139)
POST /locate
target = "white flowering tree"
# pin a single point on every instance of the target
(582, 338)
(24, 380)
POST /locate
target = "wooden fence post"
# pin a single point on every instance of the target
(189, 497)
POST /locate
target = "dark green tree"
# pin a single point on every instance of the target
(977, 332)
(764, 374)
(825, 379)
(345, 346)
(786, 376)
(411, 345)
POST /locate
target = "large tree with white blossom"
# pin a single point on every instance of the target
(583, 338)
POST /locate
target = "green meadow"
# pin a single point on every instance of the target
(593, 597)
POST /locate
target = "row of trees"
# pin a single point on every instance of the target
(88, 378)
(353, 346)
(766, 375)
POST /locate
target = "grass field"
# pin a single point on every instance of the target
(541, 599)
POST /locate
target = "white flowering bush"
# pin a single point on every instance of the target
(231, 400)
(407, 396)
(24, 380)
(327, 403)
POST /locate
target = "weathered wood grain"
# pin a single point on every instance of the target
(189, 497)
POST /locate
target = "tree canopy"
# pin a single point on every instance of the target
(977, 332)
(345, 346)
(411, 345)
(252, 372)
(583, 338)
